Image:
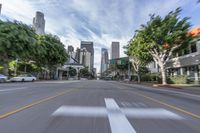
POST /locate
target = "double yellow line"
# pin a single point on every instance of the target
(168, 105)
(33, 104)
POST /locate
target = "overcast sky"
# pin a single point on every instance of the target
(100, 21)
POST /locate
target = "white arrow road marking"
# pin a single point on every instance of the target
(145, 113)
(118, 121)
(150, 113)
(81, 111)
(116, 115)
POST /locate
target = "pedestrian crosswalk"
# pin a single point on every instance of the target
(118, 114)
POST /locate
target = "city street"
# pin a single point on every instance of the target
(96, 107)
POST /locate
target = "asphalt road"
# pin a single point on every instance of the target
(96, 107)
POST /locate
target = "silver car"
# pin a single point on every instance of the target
(3, 78)
(23, 78)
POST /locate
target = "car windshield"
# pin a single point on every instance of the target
(23, 75)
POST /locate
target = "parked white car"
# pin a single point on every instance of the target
(23, 78)
(3, 78)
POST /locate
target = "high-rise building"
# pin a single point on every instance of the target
(104, 60)
(85, 58)
(90, 48)
(70, 48)
(72, 55)
(77, 56)
(115, 50)
(39, 23)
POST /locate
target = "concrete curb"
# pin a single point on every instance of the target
(156, 85)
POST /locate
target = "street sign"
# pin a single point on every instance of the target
(119, 61)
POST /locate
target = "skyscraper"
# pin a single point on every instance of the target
(39, 23)
(85, 58)
(104, 60)
(70, 48)
(115, 50)
(90, 48)
(72, 55)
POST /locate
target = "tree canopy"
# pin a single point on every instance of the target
(16, 40)
(19, 41)
(84, 72)
(50, 51)
(72, 71)
(162, 36)
(138, 54)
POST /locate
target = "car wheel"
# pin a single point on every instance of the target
(33, 80)
(23, 80)
(1, 80)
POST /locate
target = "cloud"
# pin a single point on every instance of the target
(100, 21)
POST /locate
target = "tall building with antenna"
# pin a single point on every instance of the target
(39, 23)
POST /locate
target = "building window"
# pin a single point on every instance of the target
(180, 53)
(192, 70)
(170, 72)
(154, 64)
(174, 55)
(184, 70)
(178, 71)
(193, 48)
(186, 51)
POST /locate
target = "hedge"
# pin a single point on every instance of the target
(178, 79)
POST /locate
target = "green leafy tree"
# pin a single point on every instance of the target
(84, 72)
(72, 71)
(138, 54)
(17, 40)
(50, 52)
(163, 36)
(122, 68)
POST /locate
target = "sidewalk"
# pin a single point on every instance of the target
(186, 89)
(173, 86)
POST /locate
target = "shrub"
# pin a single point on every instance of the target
(178, 79)
(151, 77)
(134, 78)
(148, 77)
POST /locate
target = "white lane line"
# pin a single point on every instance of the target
(81, 111)
(13, 89)
(118, 121)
